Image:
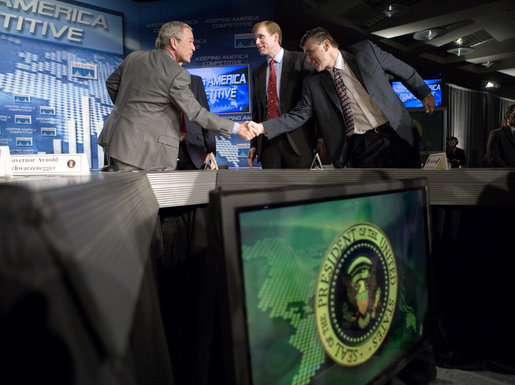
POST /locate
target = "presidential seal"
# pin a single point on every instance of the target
(356, 294)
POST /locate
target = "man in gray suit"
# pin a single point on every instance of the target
(293, 149)
(362, 121)
(150, 92)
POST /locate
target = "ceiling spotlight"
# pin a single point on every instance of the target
(391, 9)
(459, 42)
(429, 34)
(491, 84)
(487, 64)
(460, 51)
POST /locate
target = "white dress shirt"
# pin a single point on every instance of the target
(367, 115)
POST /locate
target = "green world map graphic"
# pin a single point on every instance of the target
(282, 258)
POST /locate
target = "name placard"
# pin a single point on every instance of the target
(50, 164)
(436, 161)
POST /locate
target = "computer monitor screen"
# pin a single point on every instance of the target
(227, 87)
(322, 284)
(410, 101)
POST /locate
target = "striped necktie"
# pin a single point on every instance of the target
(272, 102)
(341, 90)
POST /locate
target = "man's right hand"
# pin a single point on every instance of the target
(257, 128)
(248, 130)
(245, 132)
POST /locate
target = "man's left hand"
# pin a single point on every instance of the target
(429, 103)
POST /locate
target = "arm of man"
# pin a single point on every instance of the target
(407, 75)
(181, 95)
(113, 82)
(290, 121)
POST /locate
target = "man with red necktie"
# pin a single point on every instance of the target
(277, 87)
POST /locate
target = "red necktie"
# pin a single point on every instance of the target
(272, 104)
(341, 90)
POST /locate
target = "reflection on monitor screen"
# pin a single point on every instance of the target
(227, 87)
(333, 281)
(410, 101)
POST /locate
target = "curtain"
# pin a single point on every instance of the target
(471, 116)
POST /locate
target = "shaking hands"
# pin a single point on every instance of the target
(249, 130)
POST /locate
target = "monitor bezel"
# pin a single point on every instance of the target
(224, 240)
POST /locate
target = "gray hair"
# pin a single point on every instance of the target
(168, 30)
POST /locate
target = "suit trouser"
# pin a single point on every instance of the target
(184, 162)
(382, 147)
(278, 153)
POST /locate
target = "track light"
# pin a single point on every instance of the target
(429, 34)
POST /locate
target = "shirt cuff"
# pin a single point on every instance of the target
(235, 128)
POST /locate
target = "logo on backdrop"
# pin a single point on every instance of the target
(356, 294)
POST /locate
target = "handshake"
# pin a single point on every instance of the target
(249, 130)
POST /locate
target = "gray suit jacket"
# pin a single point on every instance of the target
(199, 142)
(149, 91)
(295, 68)
(320, 101)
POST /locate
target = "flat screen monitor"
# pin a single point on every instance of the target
(227, 87)
(410, 101)
(322, 284)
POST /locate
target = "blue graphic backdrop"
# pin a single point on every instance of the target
(410, 101)
(227, 87)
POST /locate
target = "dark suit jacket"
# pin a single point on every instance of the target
(199, 142)
(320, 101)
(501, 147)
(295, 68)
(458, 158)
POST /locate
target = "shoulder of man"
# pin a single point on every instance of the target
(360, 46)
(299, 61)
(140, 53)
(294, 54)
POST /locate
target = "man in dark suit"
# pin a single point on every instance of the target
(357, 113)
(150, 91)
(455, 155)
(293, 149)
(501, 142)
(198, 143)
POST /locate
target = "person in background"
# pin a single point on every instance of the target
(151, 93)
(198, 143)
(360, 118)
(277, 87)
(501, 142)
(455, 155)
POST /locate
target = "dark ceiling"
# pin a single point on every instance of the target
(486, 26)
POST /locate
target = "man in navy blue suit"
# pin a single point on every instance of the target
(198, 143)
(360, 118)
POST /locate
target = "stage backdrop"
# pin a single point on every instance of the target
(58, 54)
